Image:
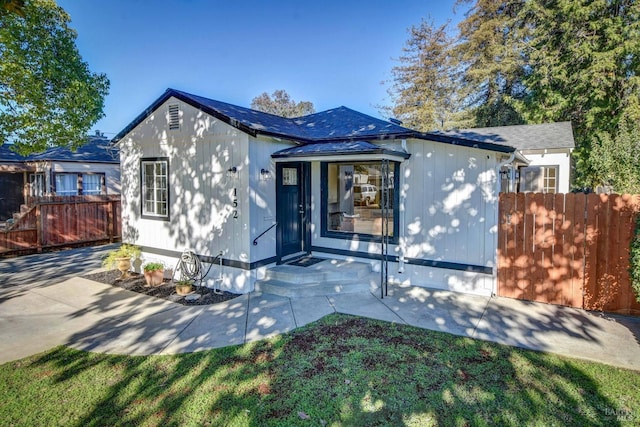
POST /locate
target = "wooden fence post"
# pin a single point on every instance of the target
(110, 219)
(39, 228)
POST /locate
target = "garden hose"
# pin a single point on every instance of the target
(190, 268)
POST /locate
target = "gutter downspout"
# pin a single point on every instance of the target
(401, 220)
(494, 286)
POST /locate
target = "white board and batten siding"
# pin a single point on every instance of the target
(447, 213)
(211, 208)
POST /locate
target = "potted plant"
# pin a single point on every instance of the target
(153, 273)
(121, 259)
(183, 286)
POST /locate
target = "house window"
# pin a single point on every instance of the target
(66, 184)
(37, 184)
(352, 200)
(289, 176)
(539, 179)
(550, 179)
(92, 184)
(155, 188)
(174, 117)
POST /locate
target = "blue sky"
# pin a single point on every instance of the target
(328, 52)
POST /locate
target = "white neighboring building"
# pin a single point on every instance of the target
(547, 148)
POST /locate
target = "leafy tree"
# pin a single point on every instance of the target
(48, 95)
(583, 59)
(12, 6)
(424, 83)
(281, 104)
(615, 160)
(531, 61)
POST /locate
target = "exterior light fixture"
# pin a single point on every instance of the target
(265, 174)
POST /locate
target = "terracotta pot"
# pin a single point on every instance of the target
(124, 265)
(183, 289)
(154, 278)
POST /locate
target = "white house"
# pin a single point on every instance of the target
(547, 148)
(262, 189)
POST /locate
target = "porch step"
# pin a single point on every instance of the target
(328, 277)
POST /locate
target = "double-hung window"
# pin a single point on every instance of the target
(155, 188)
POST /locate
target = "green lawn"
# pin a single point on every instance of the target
(341, 370)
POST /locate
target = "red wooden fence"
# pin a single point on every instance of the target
(63, 221)
(567, 249)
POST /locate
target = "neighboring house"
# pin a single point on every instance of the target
(546, 147)
(92, 169)
(216, 178)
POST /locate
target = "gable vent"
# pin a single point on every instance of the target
(174, 117)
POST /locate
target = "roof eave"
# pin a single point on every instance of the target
(467, 142)
(173, 93)
(343, 153)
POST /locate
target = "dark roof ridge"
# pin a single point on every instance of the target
(564, 122)
(338, 124)
(229, 104)
(308, 128)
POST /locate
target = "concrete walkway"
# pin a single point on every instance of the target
(38, 311)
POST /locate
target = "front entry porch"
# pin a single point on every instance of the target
(314, 276)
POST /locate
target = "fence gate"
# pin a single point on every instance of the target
(567, 249)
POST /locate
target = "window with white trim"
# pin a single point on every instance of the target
(539, 179)
(37, 184)
(550, 179)
(155, 188)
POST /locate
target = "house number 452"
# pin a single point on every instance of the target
(234, 202)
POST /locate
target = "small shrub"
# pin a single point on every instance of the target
(125, 251)
(634, 260)
(153, 266)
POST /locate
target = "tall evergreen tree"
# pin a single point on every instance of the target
(490, 56)
(424, 83)
(532, 61)
(583, 63)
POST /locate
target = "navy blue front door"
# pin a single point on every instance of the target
(291, 207)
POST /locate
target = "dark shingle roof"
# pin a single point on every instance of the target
(97, 150)
(251, 120)
(336, 125)
(7, 155)
(345, 123)
(522, 137)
